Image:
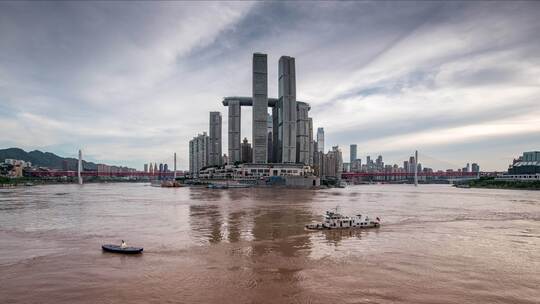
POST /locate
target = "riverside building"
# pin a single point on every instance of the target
(198, 154)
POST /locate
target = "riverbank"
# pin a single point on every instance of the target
(6, 182)
(492, 183)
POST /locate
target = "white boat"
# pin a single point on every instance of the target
(334, 220)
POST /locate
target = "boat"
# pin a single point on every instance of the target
(217, 186)
(239, 186)
(171, 184)
(119, 249)
(334, 220)
(227, 186)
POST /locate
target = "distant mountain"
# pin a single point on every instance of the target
(44, 159)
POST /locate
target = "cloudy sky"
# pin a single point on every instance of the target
(131, 83)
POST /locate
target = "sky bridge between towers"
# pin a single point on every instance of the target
(248, 101)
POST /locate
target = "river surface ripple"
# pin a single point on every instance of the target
(438, 244)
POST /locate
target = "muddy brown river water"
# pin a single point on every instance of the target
(437, 244)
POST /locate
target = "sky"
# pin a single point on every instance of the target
(132, 82)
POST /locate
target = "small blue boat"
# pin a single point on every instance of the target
(119, 249)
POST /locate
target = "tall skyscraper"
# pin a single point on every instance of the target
(353, 153)
(198, 153)
(287, 109)
(311, 143)
(260, 108)
(302, 130)
(320, 139)
(214, 141)
(234, 131)
(145, 167)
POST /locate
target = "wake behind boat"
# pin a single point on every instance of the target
(334, 220)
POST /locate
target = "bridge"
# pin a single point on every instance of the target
(453, 174)
(395, 174)
(140, 174)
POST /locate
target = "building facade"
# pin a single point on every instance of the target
(286, 136)
(353, 155)
(311, 142)
(528, 163)
(320, 139)
(260, 108)
(247, 151)
(287, 110)
(198, 154)
(234, 130)
(269, 132)
(302, 133)
(214, 140)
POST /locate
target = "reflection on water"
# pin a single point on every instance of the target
(437, 244)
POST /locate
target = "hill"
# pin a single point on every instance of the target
(44, 159)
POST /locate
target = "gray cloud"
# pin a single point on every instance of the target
(135, 82)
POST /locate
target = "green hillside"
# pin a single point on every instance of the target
(43, 159)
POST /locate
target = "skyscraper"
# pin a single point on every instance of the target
(260, 108)
(353, 153)
(287, 109)
(412, 164)
(214, 140)
(145, 167)
(234, 131)
(198, 153)
(247, 152)
(320, 139)
(302, 130)
(311, 143)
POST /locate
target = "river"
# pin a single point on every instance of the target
(437, 244)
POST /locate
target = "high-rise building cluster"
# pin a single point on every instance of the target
(378, 166)
(155, 168)
(283, 137)
(329, 165)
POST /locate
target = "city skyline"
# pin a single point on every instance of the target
(70, 83)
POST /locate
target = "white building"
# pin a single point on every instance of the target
(198, 153)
